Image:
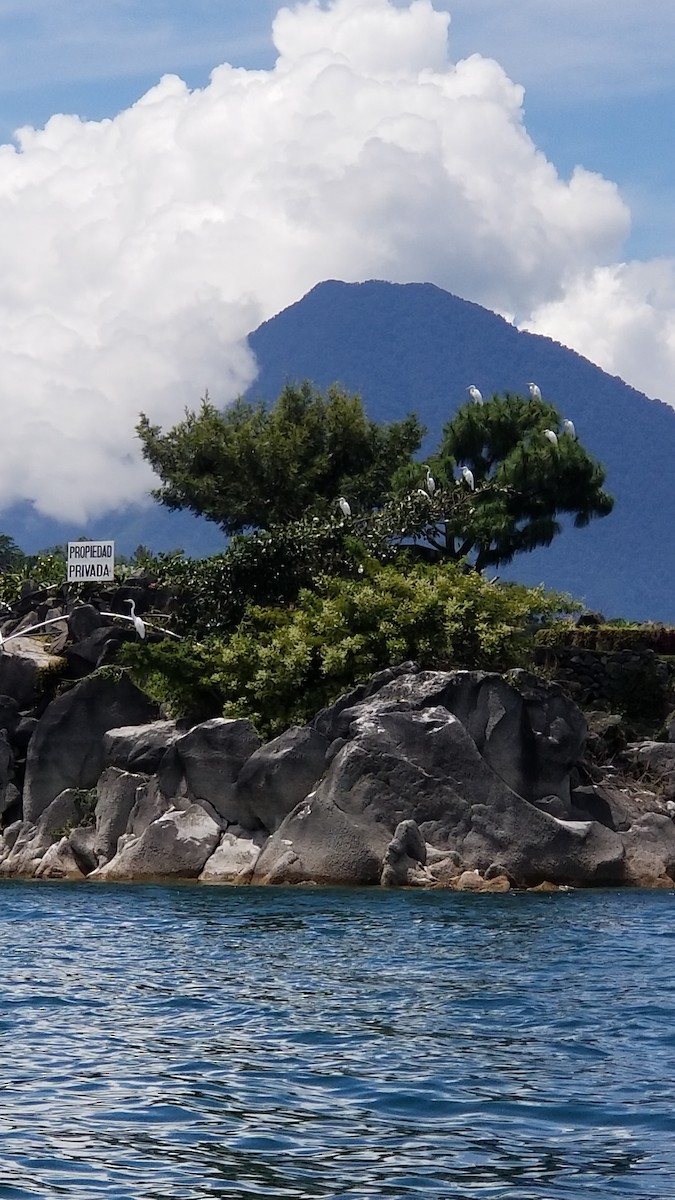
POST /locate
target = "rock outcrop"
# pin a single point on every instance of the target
(443, 779)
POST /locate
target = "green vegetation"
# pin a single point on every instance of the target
(281, 664)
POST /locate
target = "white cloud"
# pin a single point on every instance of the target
(138, 252)
(622, 317)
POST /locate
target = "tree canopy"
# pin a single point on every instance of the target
(504, 474)
(254, 467)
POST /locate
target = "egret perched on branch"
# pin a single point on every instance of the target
(552, 437)
(344, 507)
(430, 483)
(535, 392)
(467, 476)
(475, 395)
(568, 427)
(421, 492)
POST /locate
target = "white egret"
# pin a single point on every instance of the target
(345, 508)
(474, 393)
(139, 625)
(421, 492)
(552, 437)
(535, 392)
(568, 427)
(430, 483)
(467, 476)
(136, 622)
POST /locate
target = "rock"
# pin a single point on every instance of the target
(318, 843)
(59, 862)
(650, 850)
(23, 664)
(117, 793)
(150, 804)
(526, 729)
(656, 758)
(8, 793)
(470, 881)
(177, 845)
(212, 755)
(139, 747)
(66, 750)
(83, 621)
(422, 765)
(404, 859)
(34, 839)
(278, 775)
(235, 857)
(10, 715)
(82, 844)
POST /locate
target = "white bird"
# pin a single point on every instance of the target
(475, 395)
(345, 508)
(136, 622)
(139, 625)
(568, 427)
(467, 475)
(421, 492)
(552, 437)
(430, 483)
(535, 392)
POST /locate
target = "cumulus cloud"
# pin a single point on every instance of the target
(138, 252)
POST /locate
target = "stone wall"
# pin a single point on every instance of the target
(637, 682)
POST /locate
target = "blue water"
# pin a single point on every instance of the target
(166, 1042)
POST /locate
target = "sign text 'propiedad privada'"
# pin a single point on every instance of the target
(93, 561)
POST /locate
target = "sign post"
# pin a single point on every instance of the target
(91, 562)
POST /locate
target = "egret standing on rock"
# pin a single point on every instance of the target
(344, 507)
(475, 395)
(568, 427)
(552, 437)
(467, 476)
(535, 392)
(139, 625)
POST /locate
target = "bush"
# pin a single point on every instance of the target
(282, 664)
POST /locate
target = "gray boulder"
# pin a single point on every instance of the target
(66, 749)
(405, 858)
(59, 862)
(235, 857)
(650, 851)
(34, 839)
(117, 794)
(177, 845)
(526, 729)
(278, 776)
(23, 662)
(211, 756)
(139, 747)
(422, 765)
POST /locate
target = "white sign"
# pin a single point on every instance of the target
(91, 561)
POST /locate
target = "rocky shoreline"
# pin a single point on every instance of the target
(463, 780)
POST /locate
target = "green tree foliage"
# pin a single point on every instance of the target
(253, 467)
(523, 481)
(282, 664)
(11, 555)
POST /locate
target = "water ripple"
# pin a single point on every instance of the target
(178, 1043)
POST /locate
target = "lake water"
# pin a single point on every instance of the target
(187, 1042)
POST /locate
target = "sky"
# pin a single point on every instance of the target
(172, 174)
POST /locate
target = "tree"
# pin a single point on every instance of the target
(524, 480)
(11, 555)
(254, 467)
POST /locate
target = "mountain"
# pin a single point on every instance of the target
(415, 347)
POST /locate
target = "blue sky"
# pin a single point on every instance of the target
(157, 205)
(599, 74)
